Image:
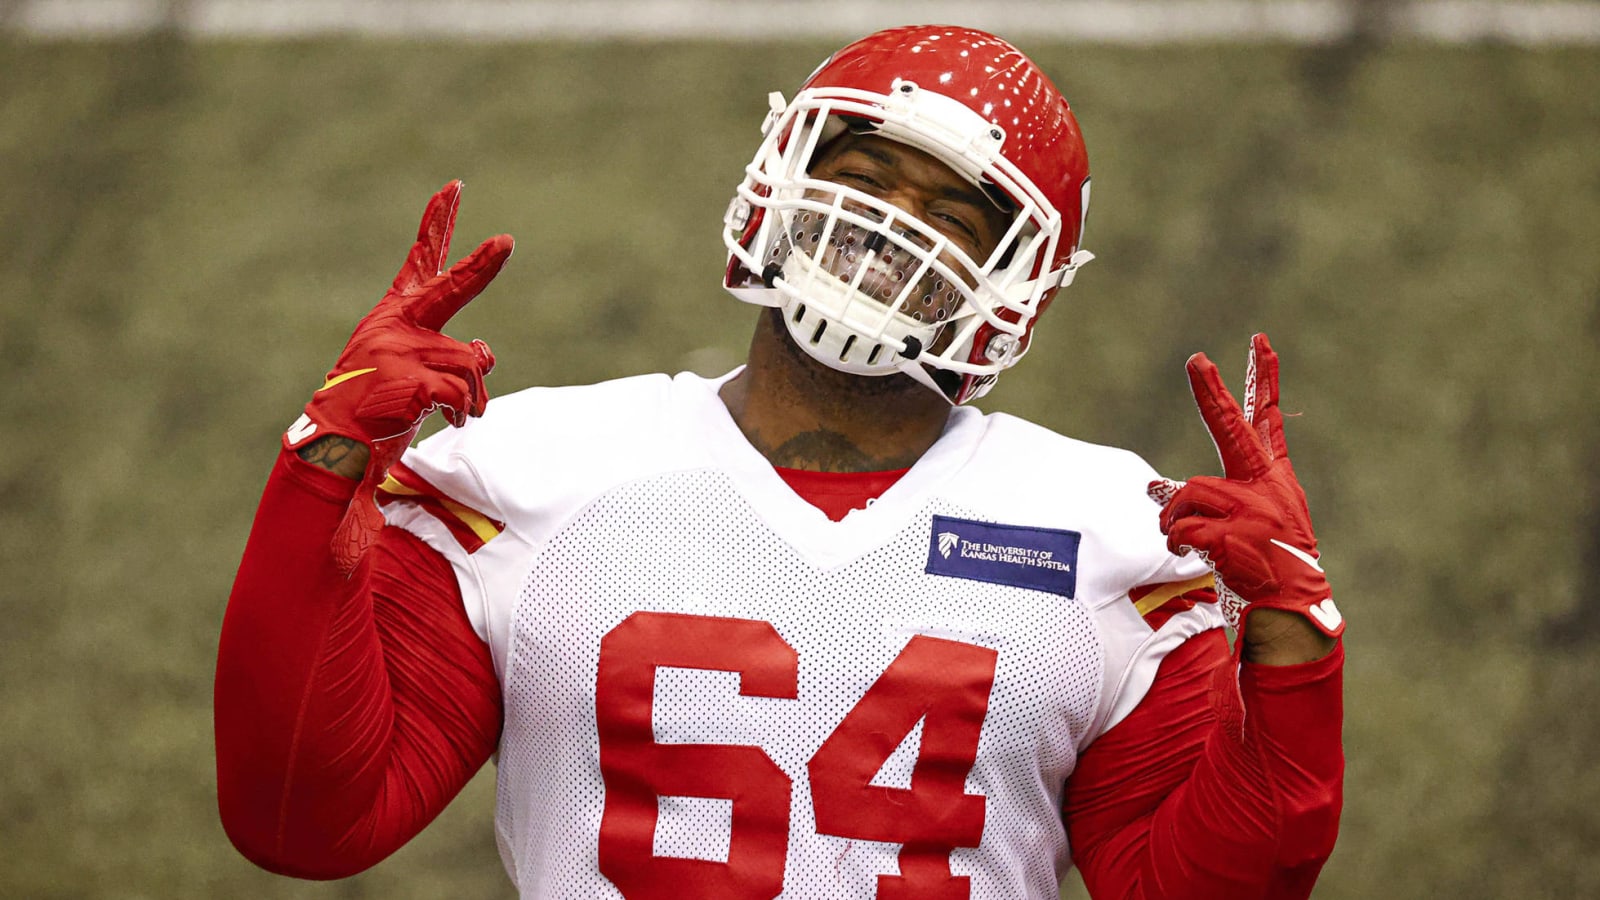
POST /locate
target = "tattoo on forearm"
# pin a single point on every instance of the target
(343, 455)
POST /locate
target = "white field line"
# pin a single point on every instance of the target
(1097, 21)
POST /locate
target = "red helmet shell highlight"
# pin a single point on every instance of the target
(993, 79)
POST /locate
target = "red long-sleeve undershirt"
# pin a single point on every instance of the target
(349, 712)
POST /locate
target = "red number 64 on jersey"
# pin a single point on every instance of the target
(943, 684)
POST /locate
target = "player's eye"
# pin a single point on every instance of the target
(861, 178)
(960, 223)
(962, 227)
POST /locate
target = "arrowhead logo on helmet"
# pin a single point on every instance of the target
(977, 105)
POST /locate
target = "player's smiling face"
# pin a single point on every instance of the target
(917, 183)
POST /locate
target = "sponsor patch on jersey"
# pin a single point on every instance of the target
(1041, 559)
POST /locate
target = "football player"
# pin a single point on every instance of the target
(816, 628)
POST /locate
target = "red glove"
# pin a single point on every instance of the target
(397, 367)
(1252, 525)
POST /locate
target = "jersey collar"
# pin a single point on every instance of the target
(711, 433)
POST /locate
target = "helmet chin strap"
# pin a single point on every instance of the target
(930, 379)
(807, 331)
(845, 384)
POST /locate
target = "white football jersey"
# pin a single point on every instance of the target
(713, 691)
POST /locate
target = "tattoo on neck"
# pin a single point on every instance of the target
(830, 451)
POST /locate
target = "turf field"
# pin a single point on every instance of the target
(191, 230)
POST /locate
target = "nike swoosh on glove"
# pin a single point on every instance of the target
(398, 368)
(1252, 525)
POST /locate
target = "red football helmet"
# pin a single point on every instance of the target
(868, 288)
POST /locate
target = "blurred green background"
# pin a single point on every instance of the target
(191, 230)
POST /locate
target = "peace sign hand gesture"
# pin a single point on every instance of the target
(1252, 525)
(398, 368)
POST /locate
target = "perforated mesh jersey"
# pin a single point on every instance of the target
(713, 690)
